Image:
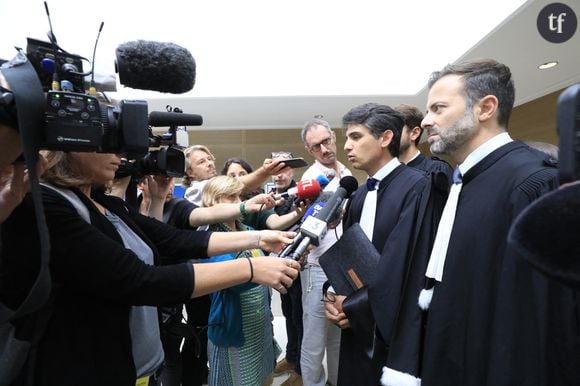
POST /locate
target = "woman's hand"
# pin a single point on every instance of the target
(275, 272)
(272, 167)
(302, 207)
(159, 186)
(274, 241)
(259, 202)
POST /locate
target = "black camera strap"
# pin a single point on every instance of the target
(30, 102)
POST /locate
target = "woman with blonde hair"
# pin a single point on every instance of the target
(102, 323)
(241, 343)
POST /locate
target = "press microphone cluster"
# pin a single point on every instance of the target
(305, 189)
(314, 228)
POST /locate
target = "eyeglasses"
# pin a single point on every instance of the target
(282, 154)
(325, 142)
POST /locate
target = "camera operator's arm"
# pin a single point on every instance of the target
(158, 188)
(258, 177)
(14, 185)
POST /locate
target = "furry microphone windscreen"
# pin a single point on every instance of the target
(546, 234)
(148, 65)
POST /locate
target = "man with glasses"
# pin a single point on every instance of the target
(292, 301)
(319, 333)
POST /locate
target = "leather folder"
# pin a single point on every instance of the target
(350, 263)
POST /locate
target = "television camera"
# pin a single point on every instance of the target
(68, 118)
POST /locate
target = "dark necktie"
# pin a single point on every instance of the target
(372, 183)
(457, 177)
(367, 221)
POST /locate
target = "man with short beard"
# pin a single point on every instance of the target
(491, 318)
(410, 139)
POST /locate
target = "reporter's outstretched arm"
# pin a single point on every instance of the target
(267, 270)
(285, 221)
(258, 177)
(268, 240)
(225, 211)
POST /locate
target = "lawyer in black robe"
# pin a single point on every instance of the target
(432, 165)
(493, 319)
(404, 207)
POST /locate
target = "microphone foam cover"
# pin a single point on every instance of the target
(350, 184)
(149, 65)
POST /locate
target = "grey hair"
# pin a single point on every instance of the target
(311, 124)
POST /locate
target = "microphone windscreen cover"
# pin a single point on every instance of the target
(149, 65)
(350, 184)
(546, 234)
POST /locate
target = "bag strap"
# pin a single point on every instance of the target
(30, 100)
(76, 202)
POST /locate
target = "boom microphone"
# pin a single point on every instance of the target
(314, 228)
(148, 65)
(305, 189)
(162, 119)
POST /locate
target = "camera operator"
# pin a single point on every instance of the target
(103, 325)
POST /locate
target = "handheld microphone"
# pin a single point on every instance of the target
(162, 118)
(330, 175)
(313, 210)
(314, 227)
(323, 181)
(306, 189)
(148, 65)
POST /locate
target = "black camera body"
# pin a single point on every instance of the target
(167, 161)
(73, 120)
(78, 122)
(569, 132)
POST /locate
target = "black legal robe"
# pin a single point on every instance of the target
(493, 319)
(404, 206)
(432, 165)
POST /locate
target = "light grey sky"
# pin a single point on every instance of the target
(272, 47)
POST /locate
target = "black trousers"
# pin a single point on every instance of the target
(187, 367)
(292, 310)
